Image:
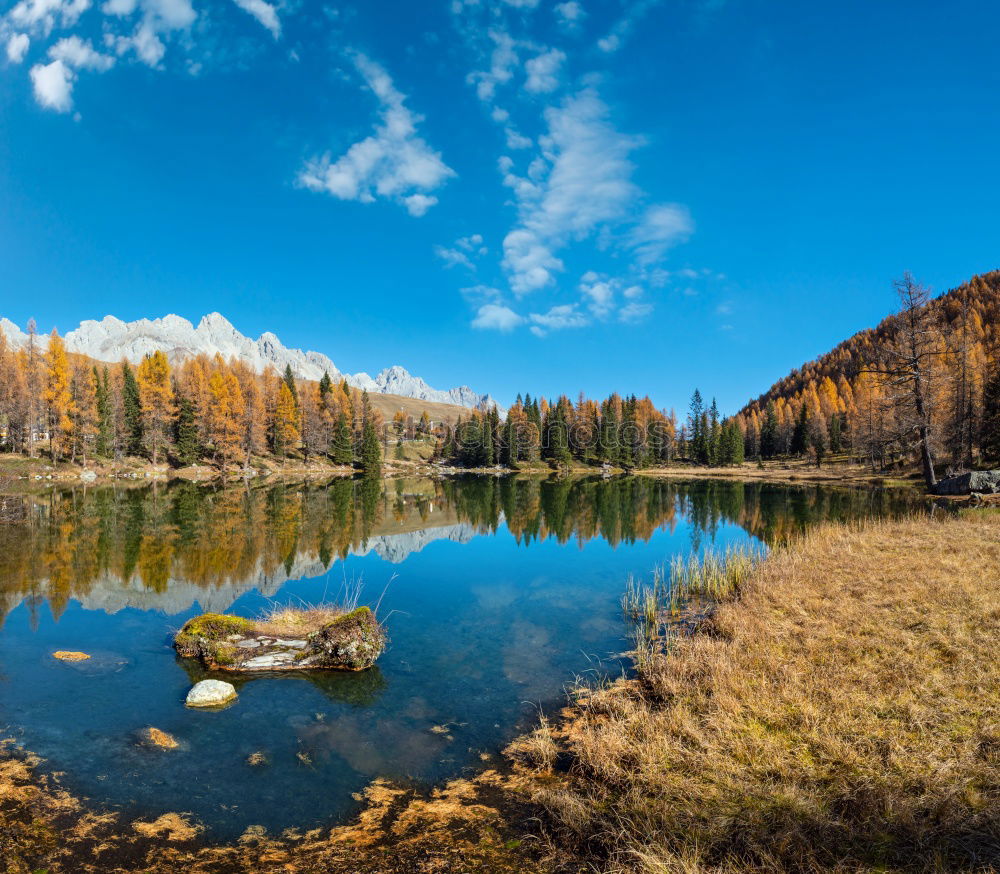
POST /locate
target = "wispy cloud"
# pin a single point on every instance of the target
(558, 318)
(264, 12)
(582, 179)
(543, 71)
(569, 15)
(463, 252)
(393, 163)
(662, 226)
(496, 317)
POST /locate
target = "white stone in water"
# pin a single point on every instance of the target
(269, 660)
(247, 644)
(210, 693)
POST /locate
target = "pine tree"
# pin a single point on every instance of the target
(800, 436)
(769, 432)
(104, 443)
(990, 432)
(609, 448)
(325, 388)
(836, 426)
(371, 450)
(131, 412)
(289, 380)
(342, 444)
(187, 444)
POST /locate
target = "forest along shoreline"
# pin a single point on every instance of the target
(836, 710)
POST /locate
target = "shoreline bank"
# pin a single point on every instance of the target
(836, 713)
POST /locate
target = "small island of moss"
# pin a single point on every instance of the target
(287, 640)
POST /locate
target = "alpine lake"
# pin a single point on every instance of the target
(498, 593)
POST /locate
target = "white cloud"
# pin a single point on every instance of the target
(80, 55)
(522, 4)
(418, 204)
(462, 253)
(663, 225)
(600, 295)
(543, 71)
(558, 318)
(496, 317)
(453, 258)
(587, 184)
(264, 12)
(158, 17)
(53, 82)
(17, 47)
(516, 140)
(41, 16)
(53, 85)
(569, 14)
(503, 61)
(529, 261)
(393, 163)
(472, 242)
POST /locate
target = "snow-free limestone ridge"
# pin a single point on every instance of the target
(111, 340)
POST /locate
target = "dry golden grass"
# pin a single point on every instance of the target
(297, 622)
(842, 714)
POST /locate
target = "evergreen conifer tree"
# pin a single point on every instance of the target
(990, 436)
(769, 432)
(371, 450)
(105, 425)
(187, 445)
(800, 436)
(131, 412)
(342, 444)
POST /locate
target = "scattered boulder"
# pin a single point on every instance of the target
(353, 641)
(66, 655)
(155, 737)
(88, 476)
(985, 482)
(257, 759)
(210, 693)
(350, 641)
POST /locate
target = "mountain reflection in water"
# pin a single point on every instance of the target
(168, 547)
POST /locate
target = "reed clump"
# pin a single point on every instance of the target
(842, 715)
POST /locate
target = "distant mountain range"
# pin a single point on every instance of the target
(112, 339)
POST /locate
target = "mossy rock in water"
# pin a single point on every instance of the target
(201, 636)
(352, 641)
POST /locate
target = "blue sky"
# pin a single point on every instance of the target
(517, 194)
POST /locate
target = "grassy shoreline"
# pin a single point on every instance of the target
(837, 713)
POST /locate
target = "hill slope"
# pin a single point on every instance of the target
(964, 322)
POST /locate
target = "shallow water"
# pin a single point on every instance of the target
(497, 593)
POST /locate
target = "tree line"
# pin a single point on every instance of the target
(627, 432)
(924, 386)
(207, 409)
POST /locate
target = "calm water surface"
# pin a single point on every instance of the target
(497, 593)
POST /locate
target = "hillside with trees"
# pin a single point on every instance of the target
(71, 408)
(923, 385)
